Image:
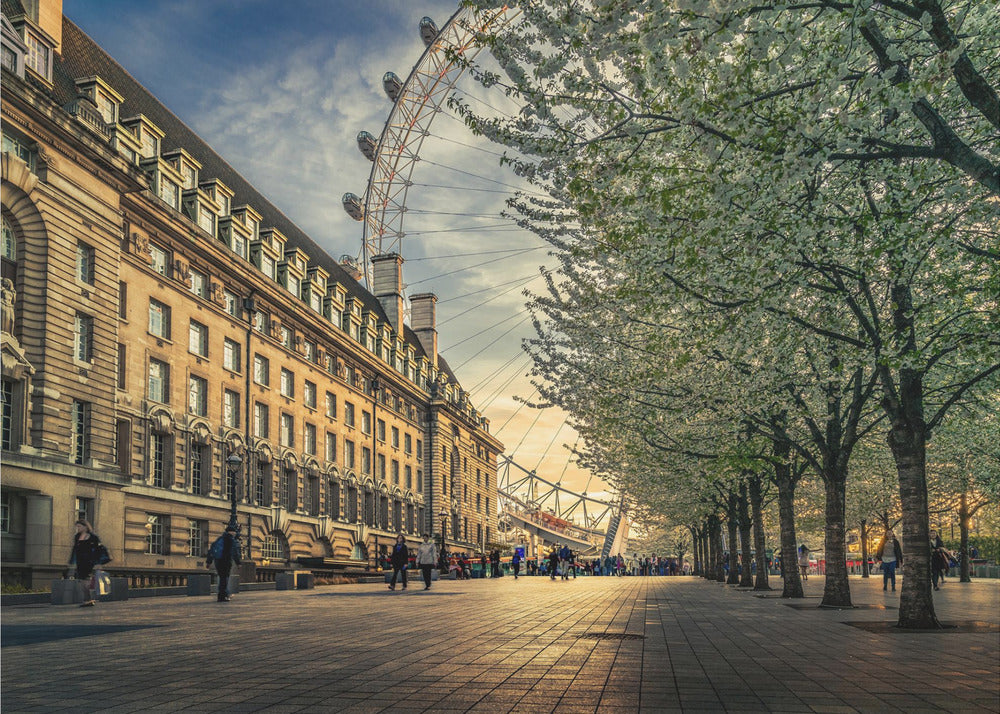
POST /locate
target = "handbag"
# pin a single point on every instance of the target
(103, 556)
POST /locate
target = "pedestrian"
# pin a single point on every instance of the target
(426, 558)
(553, 562)
(482, 564)
(940, 559)
(804, 562)
(891, 555)
(223, 556)
(399, 559)
(515, 562)
(565, 555)
(85, 554)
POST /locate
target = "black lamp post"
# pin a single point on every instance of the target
(233, 465)
(444, 523)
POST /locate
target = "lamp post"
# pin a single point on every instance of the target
(444, 523)
(233, 465)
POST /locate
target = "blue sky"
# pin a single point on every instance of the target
(280, 90)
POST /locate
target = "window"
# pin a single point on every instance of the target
(283, 488)
(286, 337)
(366, 422)
(394, 472)
(123, 445)
(85, 510)
(107, 107)
(199, 283)
(85, 263)
(239, 245)
(198, 396)
(38, 55)
(156, 537)
(407, 444)
(380, 466)
(230, 408)
(198, 339)
(232, 302)
(267, 266)
(380, 430)
(83, 337)
(309, 394)
(287, 430)
(420, 451)
(9, 60)
(121, 364)
(159, 319)
(158, 458)
(149, 142)
(261, 370)
(408, 475)
(331, 405)
(122, 300)
(310, 348)
(316, 301)
(366, 460)
(231, 355)
(201, 468)
(348, 453)
(331, 447)
(420, 481)
(159, 381)
(197, 531)
(8, 248)
(260, 322)
(260, 421)
(159, 259)
(169, 191)
(348, 414)
(206, 220)
(293, 285)
(287, 383)
(333, 499)
(395, 437)
(262, 477)
(8, 441)
(272, 548)
(80, 432)
(309, 444)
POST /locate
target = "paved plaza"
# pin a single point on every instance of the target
(532, 645)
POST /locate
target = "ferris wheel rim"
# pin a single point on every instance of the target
(373, 216)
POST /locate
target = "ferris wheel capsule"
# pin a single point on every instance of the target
(367, 143)
(428, 31)
(392, 85)
(353, 206)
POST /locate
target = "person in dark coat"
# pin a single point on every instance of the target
(224, 564)
(399, 559)
(85, 553)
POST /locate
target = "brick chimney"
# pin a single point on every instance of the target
(388, 287)
(423, 321)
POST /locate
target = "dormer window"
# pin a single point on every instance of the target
(39, 56)
(292, 285)
(150, 144)
(190, 175)
(206, 220)
(169, 192)
(107, 107)
(253, 225)
(225, 204)
(316, 301)
(267, 265)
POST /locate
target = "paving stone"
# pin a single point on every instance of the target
(498, 646)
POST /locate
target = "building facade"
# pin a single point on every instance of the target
(172, 340)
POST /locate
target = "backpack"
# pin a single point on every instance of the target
(215, 551)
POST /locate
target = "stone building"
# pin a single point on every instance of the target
(161, 318)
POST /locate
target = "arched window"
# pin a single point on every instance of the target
(8, 249)
(275, 547)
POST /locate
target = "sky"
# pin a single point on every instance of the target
(281, 89)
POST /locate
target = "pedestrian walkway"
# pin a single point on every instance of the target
(533, 645)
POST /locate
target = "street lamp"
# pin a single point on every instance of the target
(233, 464)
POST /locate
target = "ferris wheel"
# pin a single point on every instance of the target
(416, 103)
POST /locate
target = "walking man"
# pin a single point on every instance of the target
(224, 552)
(400, 559)
(426, 558)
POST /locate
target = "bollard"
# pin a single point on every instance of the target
(119, 590)
(200, 584)
(284, 581)
(66, 592)
(305, 581)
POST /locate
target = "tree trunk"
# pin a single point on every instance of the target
(695, 551)
(786, 516)
(759, 543)
(710, 557)
(837, 591)
(864, 548)
(743, 508)
(720, 572)
(732, 526)
(964, 566)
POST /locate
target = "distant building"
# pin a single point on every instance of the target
(160, 315)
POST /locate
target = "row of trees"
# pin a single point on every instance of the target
(776, 227)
